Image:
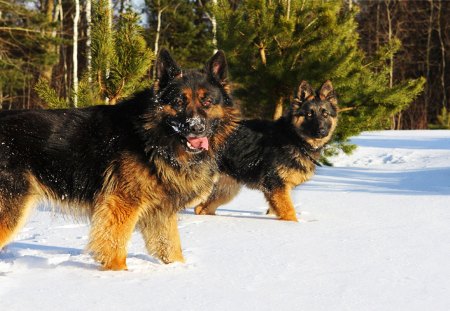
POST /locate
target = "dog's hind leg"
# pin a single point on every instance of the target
(281, 204)
(225, 189)
(113, 223)
(160, 232)
(16, 201)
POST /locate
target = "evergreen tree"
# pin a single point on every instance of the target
(443, 120)
(25, 37)
(185, 29)
(271, 49)
(120, 61)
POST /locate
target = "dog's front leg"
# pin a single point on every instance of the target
(281, 204)
(112, 226)
(160, 232)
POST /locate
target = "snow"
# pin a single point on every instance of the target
(374, 234)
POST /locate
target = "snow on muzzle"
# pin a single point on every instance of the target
(197, 128)
(193, 130)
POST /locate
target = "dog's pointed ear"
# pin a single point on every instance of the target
(327, 93)
(304, 91)
(217, 67)
(166, 69)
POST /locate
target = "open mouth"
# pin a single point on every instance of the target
(196, 144)
(192, 143)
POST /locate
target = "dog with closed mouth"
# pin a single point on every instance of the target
(134, 164)
(275, 156)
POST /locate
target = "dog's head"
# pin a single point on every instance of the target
(314, 113)
(193, 107)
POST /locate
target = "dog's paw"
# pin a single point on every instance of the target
(115, 265)
(202, 210)
(289, 217)
(271, 211)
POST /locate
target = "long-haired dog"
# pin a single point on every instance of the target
(275, 156)
(131, 165)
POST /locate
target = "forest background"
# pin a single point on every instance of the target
(387, 59)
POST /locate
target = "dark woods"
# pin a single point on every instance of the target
(423, 29)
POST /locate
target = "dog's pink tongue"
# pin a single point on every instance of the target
(199, 142)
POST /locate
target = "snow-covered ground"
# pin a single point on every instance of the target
(374, 234)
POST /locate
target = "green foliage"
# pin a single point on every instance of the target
(185, 29)
(316, 42)
(120, 57)
(132, 57)
(49, 95)
(443, 120)
(13, 77)
(25, 38)
(120, 61)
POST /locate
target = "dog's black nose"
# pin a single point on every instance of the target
(322, 132)
(197, 126)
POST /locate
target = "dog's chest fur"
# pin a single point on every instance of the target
(190, 184)
(298, 170)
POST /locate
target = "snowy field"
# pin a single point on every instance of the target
(374, 234)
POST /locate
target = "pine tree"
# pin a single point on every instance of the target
(120, 61)
(270, 51)
(443, 120)
(120, 56)
(185, 29)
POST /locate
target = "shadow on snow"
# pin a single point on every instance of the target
(427, 181)
(411, 142)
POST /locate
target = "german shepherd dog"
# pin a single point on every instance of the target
(133, 164)
(275, 156)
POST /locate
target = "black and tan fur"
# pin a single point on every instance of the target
(275, 156)
(123, 166)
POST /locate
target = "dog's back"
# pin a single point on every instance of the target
(66, 151)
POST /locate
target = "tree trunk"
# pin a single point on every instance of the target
(110, 13)
(63, 53)
(214, 28)
(428, 65)
(89, 40)
(288, 9)
(278, 108)
(158, 33)
(391, 57)
(108, 69)
(47, 69)
(1, 86)
(76, 18)
(262, 53)
(377, 31)
(441, 42)
(158, 28)
(212, 19)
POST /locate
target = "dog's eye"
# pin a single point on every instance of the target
(310, 114)
(325, 113)
(206, 103)
(177, 102)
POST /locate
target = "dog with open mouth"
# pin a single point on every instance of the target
(135, 164)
